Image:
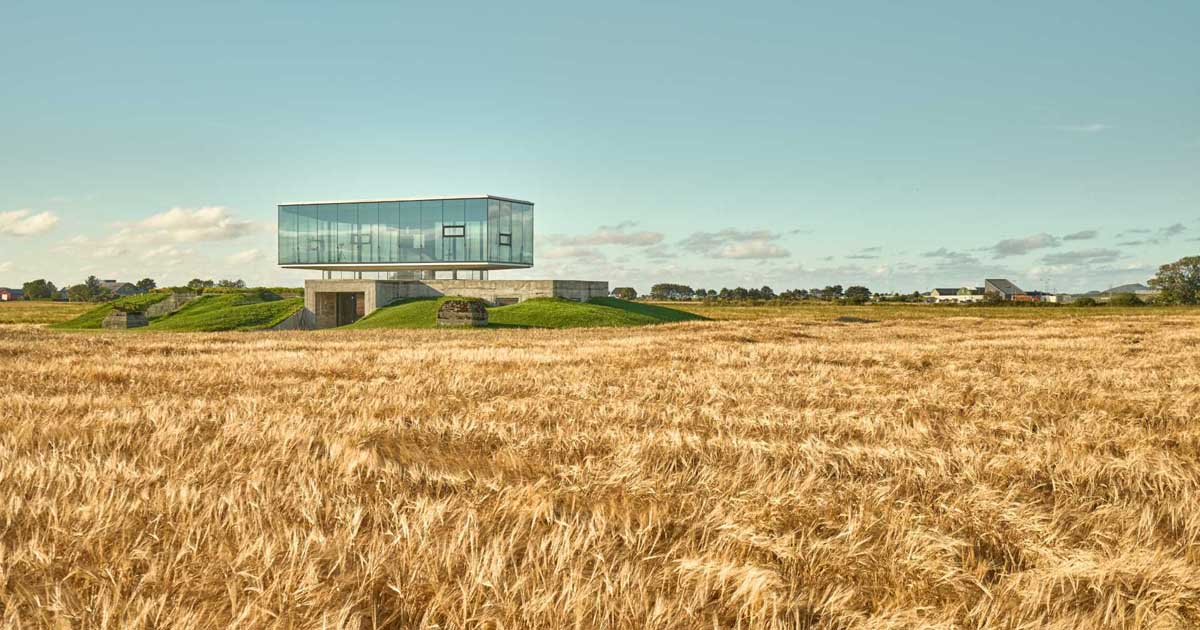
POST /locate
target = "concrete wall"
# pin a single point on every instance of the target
(319, 298)
(170, 305)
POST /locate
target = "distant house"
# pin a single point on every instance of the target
(1005, 290)
(960, 295)
(121, 288)
(11, 295)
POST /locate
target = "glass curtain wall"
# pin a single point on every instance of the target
(436, 230)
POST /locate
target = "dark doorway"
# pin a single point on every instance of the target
(350, 307)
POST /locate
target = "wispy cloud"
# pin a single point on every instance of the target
(1082, 257)
(619, 234)
(733, 243)
(244, 257)
(1158, 237)
(183, 225)
(1083, 235)
(1021, 246)
(7, 266)
(1084, 128)
(26, 222)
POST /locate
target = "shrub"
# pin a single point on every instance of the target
(1125, 299)
(1084, 301)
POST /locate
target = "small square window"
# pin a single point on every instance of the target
(454, 231)
(506, 239)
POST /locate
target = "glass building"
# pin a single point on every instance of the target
(396, 235)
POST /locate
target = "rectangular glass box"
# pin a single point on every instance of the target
(470, 232)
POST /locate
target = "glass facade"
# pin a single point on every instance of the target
(437, 231)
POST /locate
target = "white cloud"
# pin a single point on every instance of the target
(1019, 246)
(1083, 235)
(6, 266)
(244, 257)
(182, 225)
(1082, 257)
(26, 223)
(733, 243)
(572, 253)
(752, 250)
(620, 234)
(1085, 128)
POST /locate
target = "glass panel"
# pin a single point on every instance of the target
(282, 229)
(431, 228)
(506, 230)
(308, 244)
(347, 225)
(327, 214)
(410, 231)
(368, 232)
(477, 229)
(493, 229)
(527, 232)
(518, 233)
(389, 232)
(454, 212)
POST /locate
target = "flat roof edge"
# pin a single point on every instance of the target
(309, 203)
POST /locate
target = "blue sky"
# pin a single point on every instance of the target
(897, 145)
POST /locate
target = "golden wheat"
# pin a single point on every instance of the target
(778, 473)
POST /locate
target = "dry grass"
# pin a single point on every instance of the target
(954, 473)
(38, 312)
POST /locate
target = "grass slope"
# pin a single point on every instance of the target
(92, 318)
(245, 310)
(536, 313)
(417, 313)
(254, 310)
(597, 312)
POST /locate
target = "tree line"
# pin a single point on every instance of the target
(93, 290)
(855, 294)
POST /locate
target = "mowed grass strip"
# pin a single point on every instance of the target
(780, 473)
(534, 313)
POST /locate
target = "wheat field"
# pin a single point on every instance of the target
(952, 472)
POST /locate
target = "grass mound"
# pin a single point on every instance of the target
(244, 310)
(536, 313)
(412, 313)
(93, 318)
(251, 310)
(597, 312)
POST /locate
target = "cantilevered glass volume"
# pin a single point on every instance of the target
(444, 233)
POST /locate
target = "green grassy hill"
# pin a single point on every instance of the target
(92, 318)
(252, 310)
(243, 310)
(536, 313)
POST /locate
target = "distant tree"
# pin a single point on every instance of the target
(1125, 299)
(197, 283)
(700, 294)
(832, 292)
(624, 293)
(146, 284)
(232, 284)
(858, 294)
(668, 291)
(767, 292)
(90, 291)
(1084, 301)
(39, 290)
(1179, 281)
